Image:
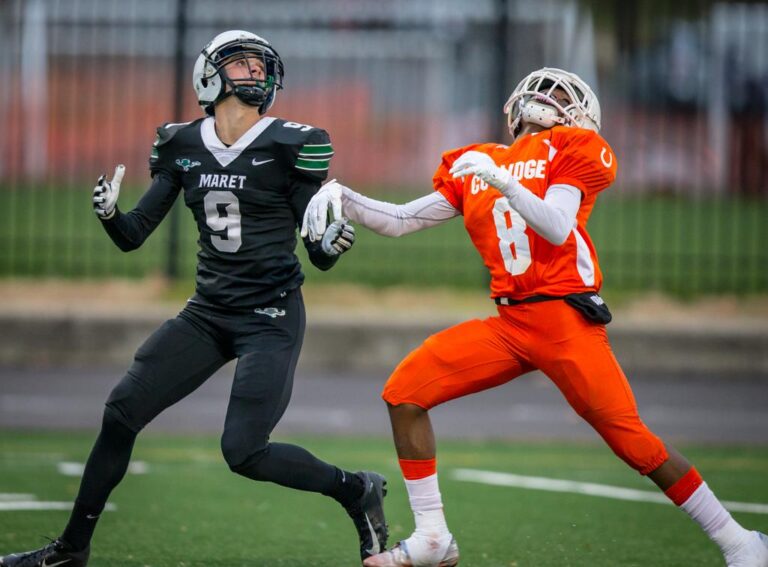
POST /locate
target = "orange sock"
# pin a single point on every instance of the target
(684, 487)
(416, 469)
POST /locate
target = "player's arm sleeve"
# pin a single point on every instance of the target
(309, 170)
(552, 217)
(396, 220)
(130, 230)
(444, 183)
(319, 259)
(389, 219)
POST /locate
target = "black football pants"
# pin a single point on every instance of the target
(182, 354)
(187, 350)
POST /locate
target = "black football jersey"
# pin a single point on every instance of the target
(247, 200)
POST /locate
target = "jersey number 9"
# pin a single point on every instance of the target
(230, 223)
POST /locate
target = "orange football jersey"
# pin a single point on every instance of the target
(521, 262)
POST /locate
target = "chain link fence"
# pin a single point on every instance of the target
(683, 87)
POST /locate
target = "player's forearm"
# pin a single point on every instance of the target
(553, 217)
(125, 231)
(389, 219)
(319, 259)
(129, 230)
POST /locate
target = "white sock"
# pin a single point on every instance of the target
(427, 505)
(707, 511)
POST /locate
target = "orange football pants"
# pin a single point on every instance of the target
(550, 336)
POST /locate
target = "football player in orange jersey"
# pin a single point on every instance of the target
(525, 207)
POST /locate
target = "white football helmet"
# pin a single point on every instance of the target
(532, 102)
(210, 79)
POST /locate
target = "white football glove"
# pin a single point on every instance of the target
(338, 238)
(316, 215)
(105, 194)
(483, 167)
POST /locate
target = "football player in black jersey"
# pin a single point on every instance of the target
(247, 179)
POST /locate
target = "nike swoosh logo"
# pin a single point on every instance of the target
(46, 564)
(254, 162)
(375, 547)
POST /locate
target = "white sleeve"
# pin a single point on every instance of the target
(389, 219)
(553, 217)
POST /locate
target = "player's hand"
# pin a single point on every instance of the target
(338, 238)
(316, 215)
(482, 166)
(105, 194)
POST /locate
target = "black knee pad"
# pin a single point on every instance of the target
(242, 459)
(115, 425)
(126, 405)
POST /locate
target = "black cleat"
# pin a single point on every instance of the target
(368, 515)
(55, 554)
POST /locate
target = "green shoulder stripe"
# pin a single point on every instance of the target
(316, 150)
(313, 164)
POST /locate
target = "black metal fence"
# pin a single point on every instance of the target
(683, 88)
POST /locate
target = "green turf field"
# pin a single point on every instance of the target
(669, 243)
(189, 510)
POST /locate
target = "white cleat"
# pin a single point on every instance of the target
(418, 551)
(752, 554)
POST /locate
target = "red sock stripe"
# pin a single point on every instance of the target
(683, 488)
(416, 469)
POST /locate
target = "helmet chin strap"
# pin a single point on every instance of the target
(252, 95)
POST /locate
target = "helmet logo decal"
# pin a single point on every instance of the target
(186, 164)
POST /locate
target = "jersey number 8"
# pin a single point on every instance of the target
(513, 241)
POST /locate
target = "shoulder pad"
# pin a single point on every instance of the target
(168, 131)
(449, 156)
(295, 133)
(582, 158)
(309, 147)
(315, 154)
(158, 159)
(571, 134)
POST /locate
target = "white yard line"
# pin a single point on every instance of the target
(586, 488)
(11, 502)
(68, 468)
(35, 505)
(29, 505)
(14, 497)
